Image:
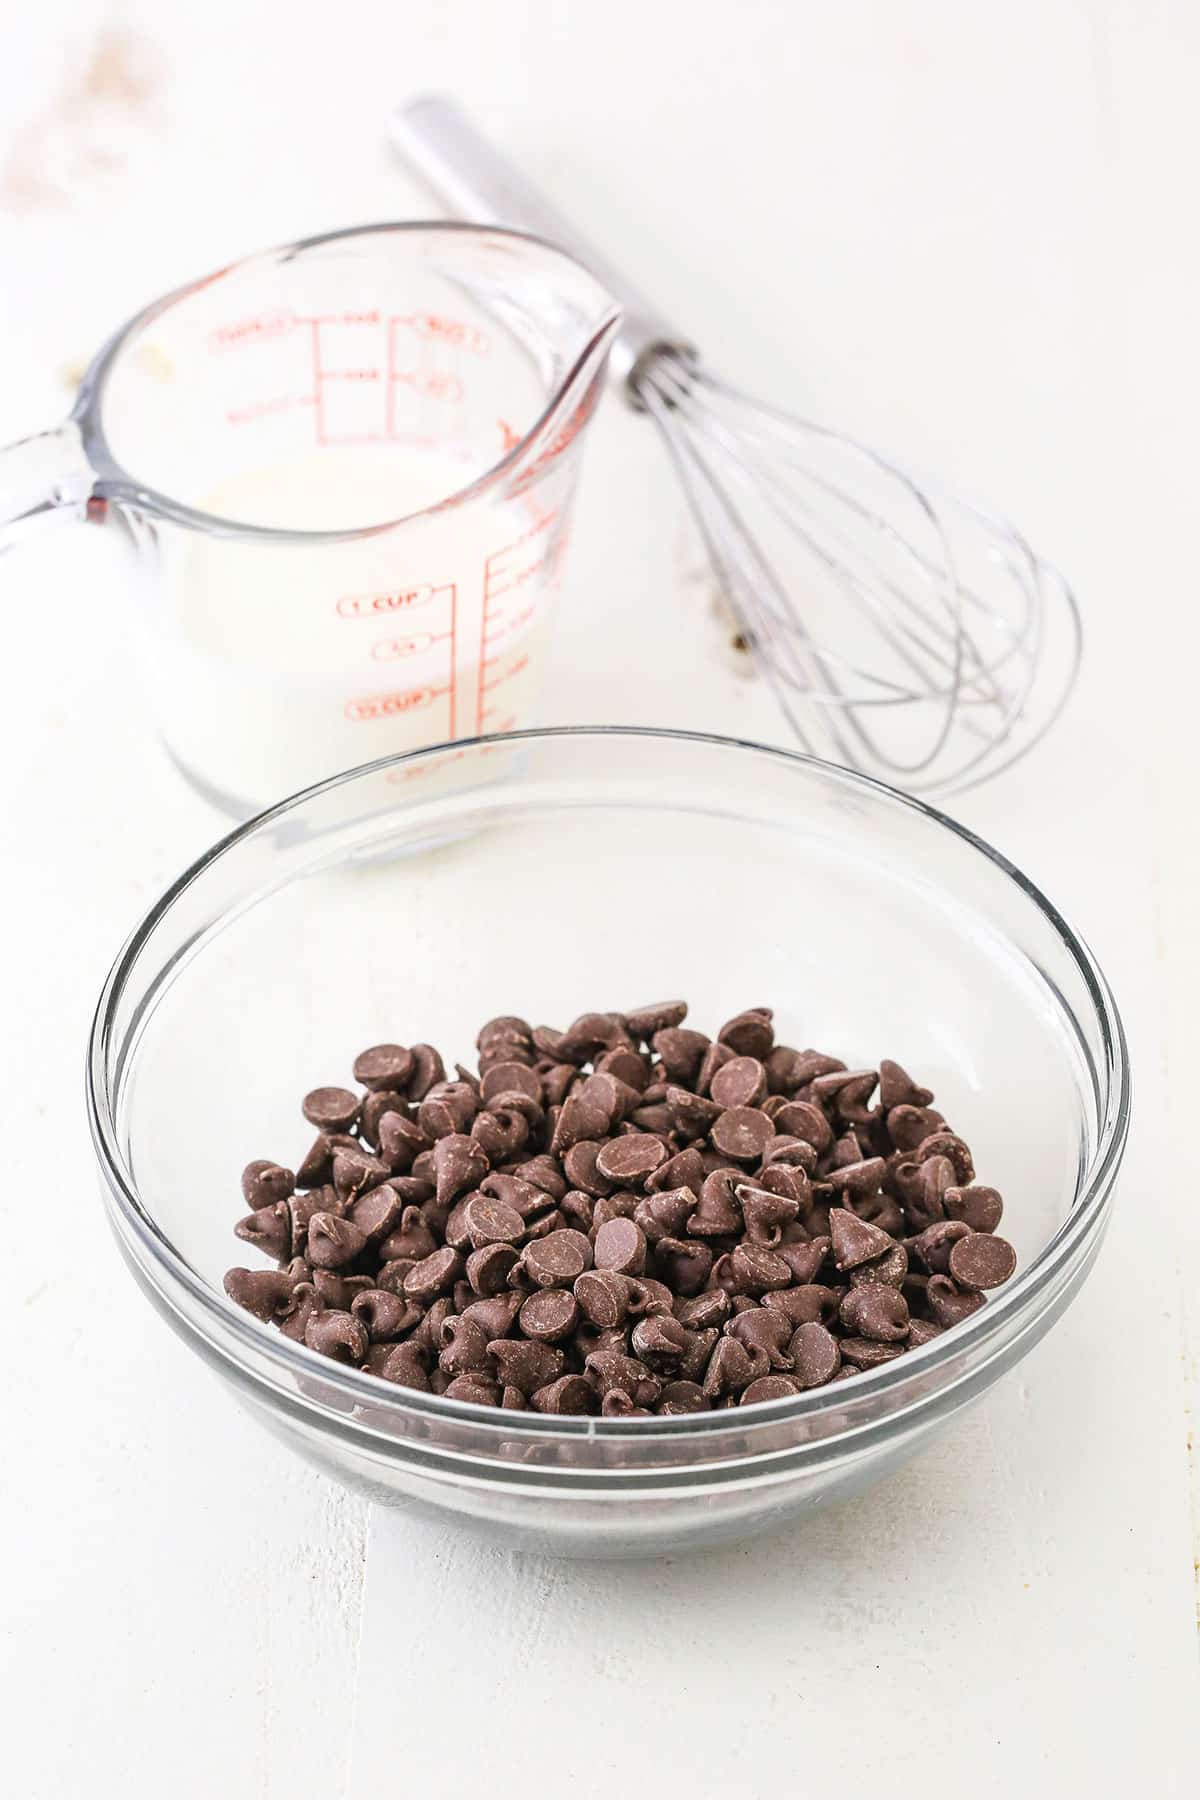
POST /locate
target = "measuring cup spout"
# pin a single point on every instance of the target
(572, 406)
(47, 476)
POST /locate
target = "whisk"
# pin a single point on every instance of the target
(906, 630)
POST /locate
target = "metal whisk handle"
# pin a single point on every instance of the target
(477, 182)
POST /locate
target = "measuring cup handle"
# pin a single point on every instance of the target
(43, 477)
(478, 183)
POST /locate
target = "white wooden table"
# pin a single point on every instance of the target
(965, 230)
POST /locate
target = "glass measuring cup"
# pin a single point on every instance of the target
(345, 469)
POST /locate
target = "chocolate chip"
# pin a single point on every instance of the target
(933, 1246)
(569, 1394)
(854, 1240)
(897, 1087)
(742, 1133)
(922, 1188)
(526, 1200)
(684, 1170)
(750, 1033)
(377, 1103)
(549, 1315)
(766, 1214)
(355, 1172)
(979, 1207)
(384, 1316)
(333, 1242)
(557, 1260)
(525, 1364)
(579, 1121)
(741, 1082)
(377, 1213)
(496, 1313)
(769, 1387)
(764, 1329)
(620, 1245)
(603, 1296)
(948, 1303)
(339, 1291)
(616, 1099)
(758, 1270)
(543, 1172)
(680, 1050)
(681, 1397)
(338, 1335)
(266, 1183)
(580, 1167)
(590, 1034)
(981, 1260)
(809, 1304)
(510, 1078)
(331, 1108)
(859, 1178)
(731, 1369)
(462, 1346)
(805, 1260)
(406, 1367)
(557, 1082)
(717, 1213)
(946, 1143)
(434, 1274)
(491, 1221)
(411, 1237)
(475, 1388)
(610, 1371)
(629, 1160)
(269, 1229)
(889, 1269)
(908, 1125)
(877, 1312)
(689, 1114)
(428, 1069)
(500, 1134)
(659, 1341)
(489, 1268)
(626, 1065)
(316, 1166)
(264, 1292)
(922, 1331)
(401, 1141)
(868, 1353)
(384, 1066)
(645, 1022)
(683, 1263)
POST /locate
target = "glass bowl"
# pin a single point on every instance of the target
(549, 873)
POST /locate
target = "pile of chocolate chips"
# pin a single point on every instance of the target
(623, 1218)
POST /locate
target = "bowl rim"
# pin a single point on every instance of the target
(151, 1246)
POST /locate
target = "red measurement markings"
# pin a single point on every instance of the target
(400, 603)
(368, 707)
(439, 330)
(506, 572)
(390, 600)
(315, 326)
(251, 331)
(418, 771)
(392, 649)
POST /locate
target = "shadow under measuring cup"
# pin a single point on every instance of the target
(345, 469)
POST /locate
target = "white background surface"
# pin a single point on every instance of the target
(963, 229)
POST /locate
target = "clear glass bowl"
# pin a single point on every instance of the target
(546, 874)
